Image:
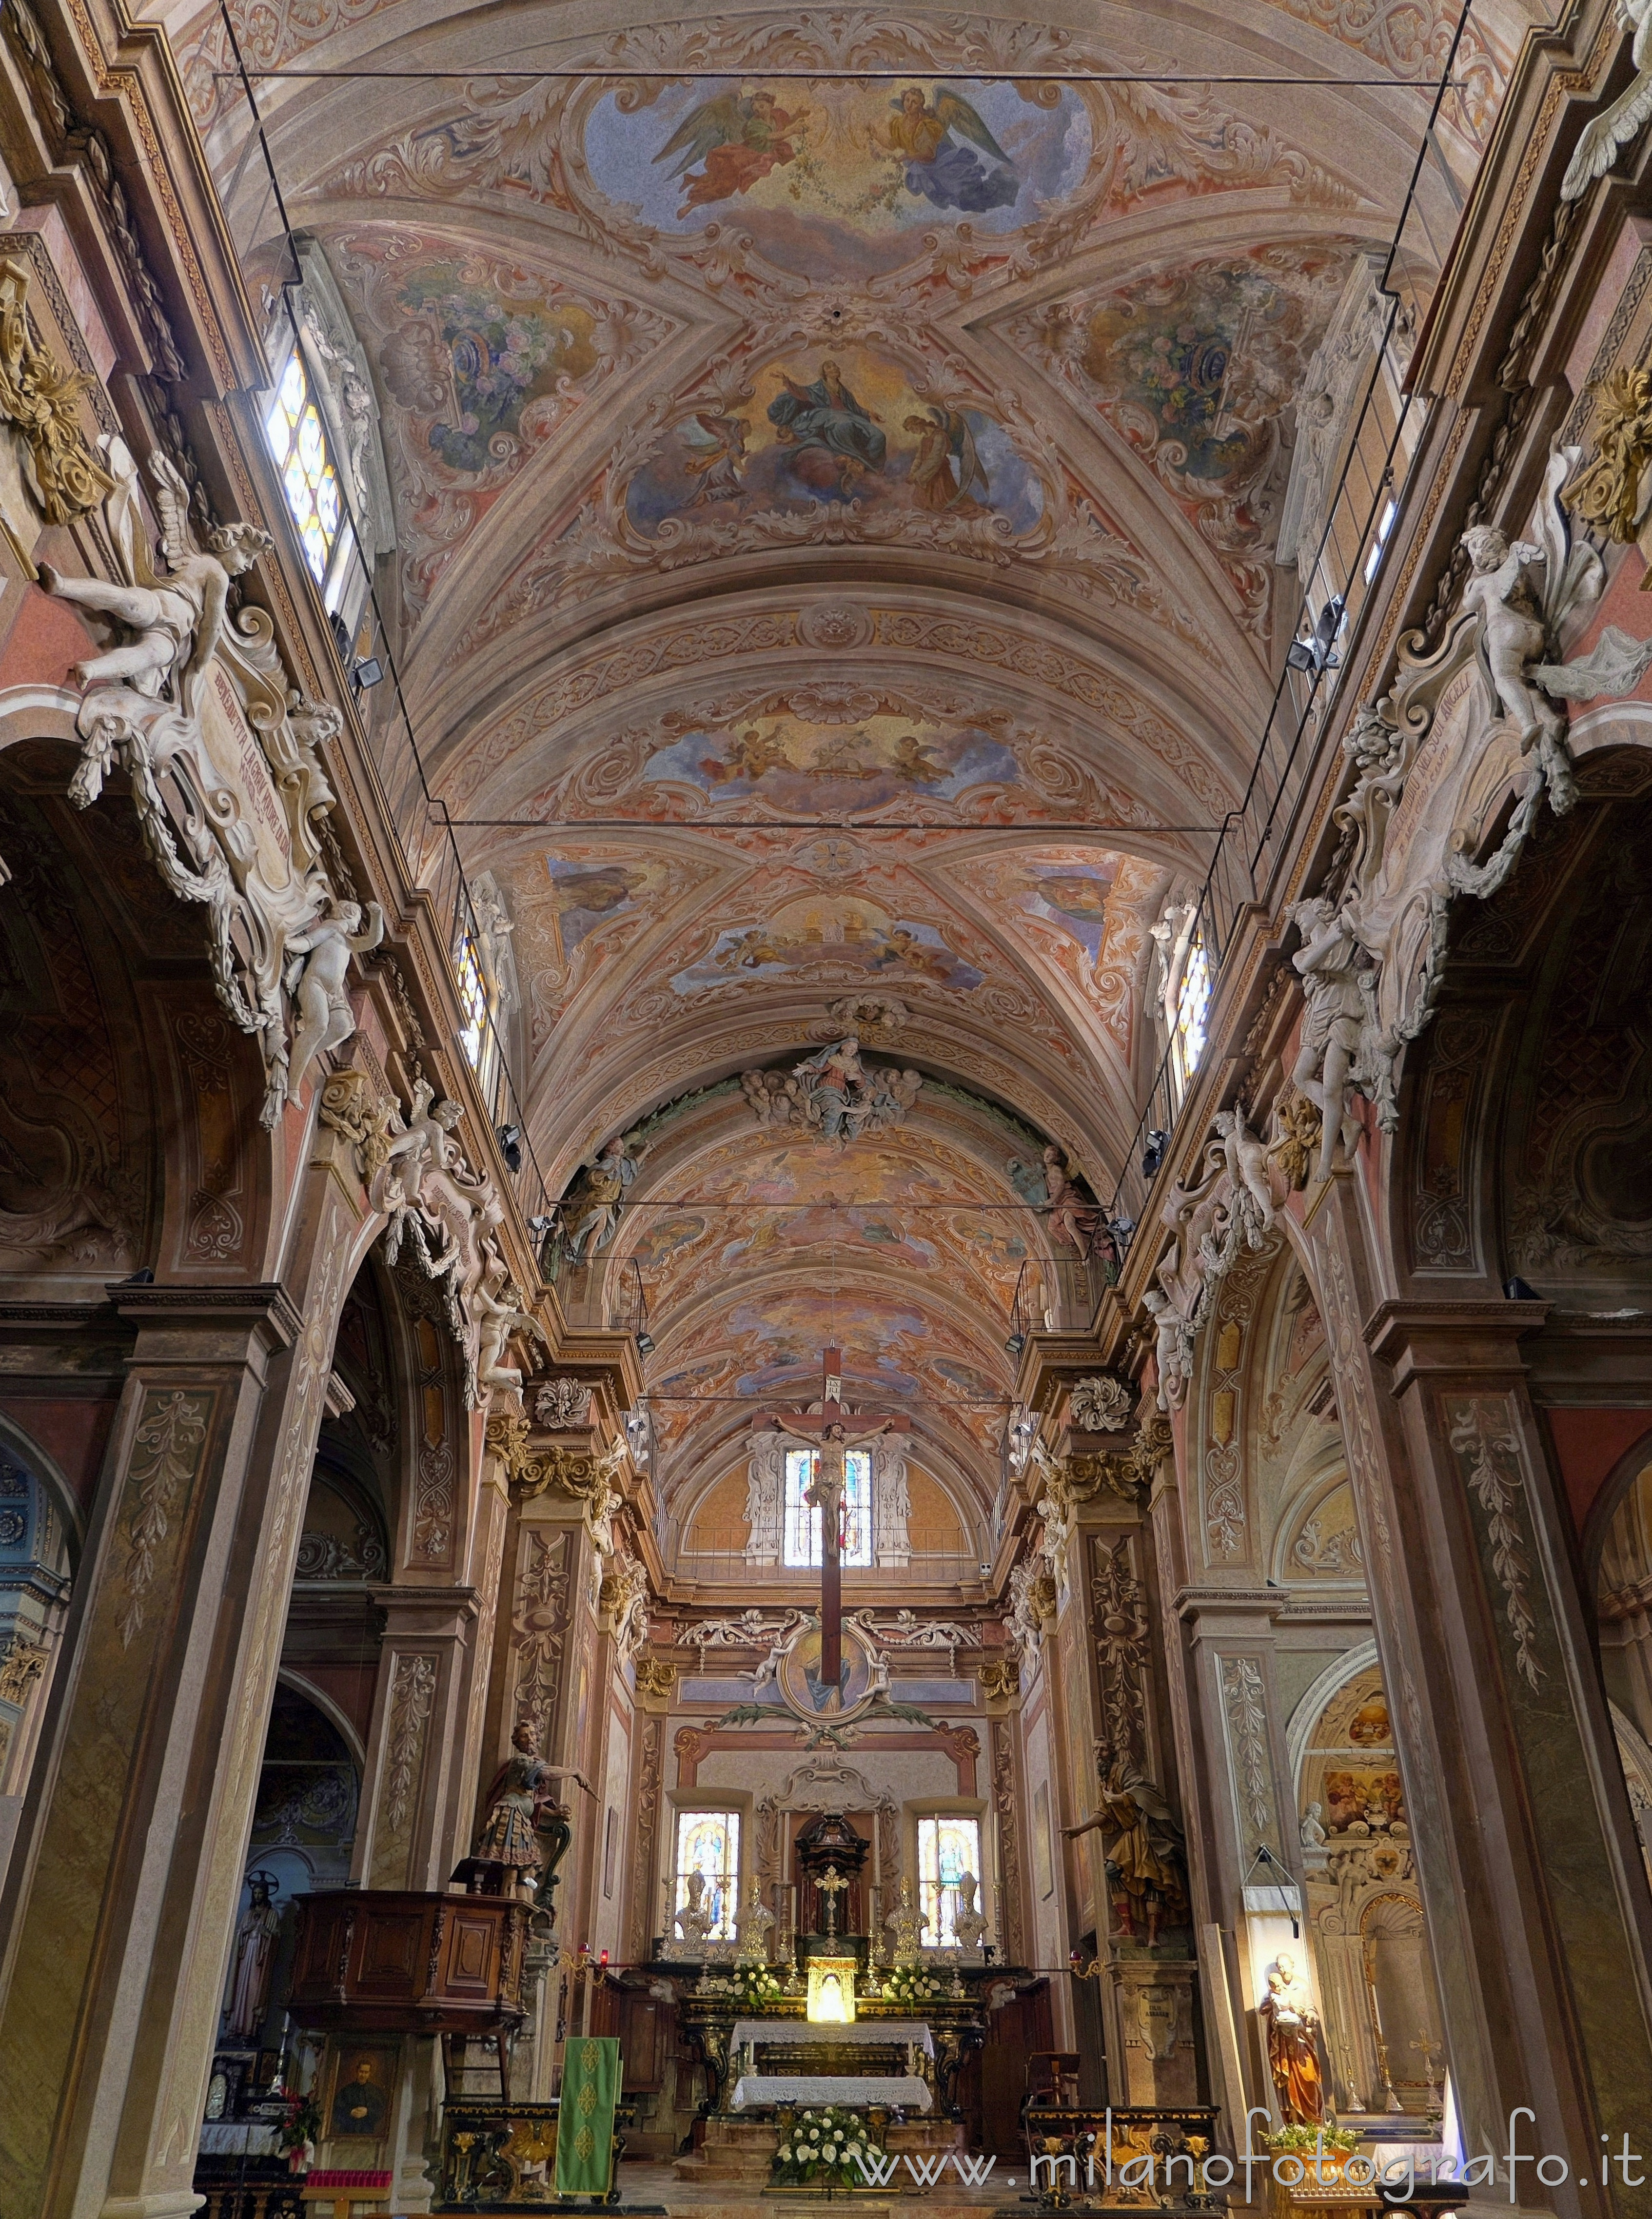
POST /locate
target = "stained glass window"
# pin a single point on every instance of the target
(802, 1519)
(473, 1001)
(1192, 1008)
(708, 1843)
(293, 427)
(948, 1847)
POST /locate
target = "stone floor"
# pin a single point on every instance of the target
(645, 2183)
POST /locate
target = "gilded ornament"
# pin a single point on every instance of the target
(41, 399)
(1607, 492)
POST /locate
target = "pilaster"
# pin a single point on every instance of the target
(1535, 1894)
(117, 1927)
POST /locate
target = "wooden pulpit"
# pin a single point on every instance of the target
(391, 1961)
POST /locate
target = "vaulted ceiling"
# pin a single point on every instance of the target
(674, 604)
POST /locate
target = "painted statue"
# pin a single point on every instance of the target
(835, 1081)
(255, 1950)
(519, 1801)
(498, 1303)
(590, 1212)
(1081, 1224)
(1291, 2022)
(1146, 1856)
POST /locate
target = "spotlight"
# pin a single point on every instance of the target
(1314, 653)
(367, 672)
(542, 1224)
(1517, 1291)
(645, 1343)
(1015, 1345)
(510, 1146)
(1153, 1155)
(985, 1569)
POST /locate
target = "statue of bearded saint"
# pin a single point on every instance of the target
(1291, 2022)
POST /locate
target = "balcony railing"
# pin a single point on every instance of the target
(933, 1557)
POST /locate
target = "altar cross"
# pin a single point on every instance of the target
(831, 1426)
(831, 1884)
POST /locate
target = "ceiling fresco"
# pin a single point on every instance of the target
(836, 462)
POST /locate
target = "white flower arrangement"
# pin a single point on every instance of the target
(824, 2146)
(909, 1984)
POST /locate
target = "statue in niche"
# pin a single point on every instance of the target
(520, 1810)
(1145, 1848)
(1314, 1835)
(591, 1211)
(1291, 2022)
(255, 1950)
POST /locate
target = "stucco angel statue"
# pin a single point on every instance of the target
(1329, 962)
(176, 620)
(325, 1018)
(1598, 149)
(499, 1301)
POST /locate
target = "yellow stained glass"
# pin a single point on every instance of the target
(298, 442)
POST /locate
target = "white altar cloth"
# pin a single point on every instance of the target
(859, 2031)
(820, 2089)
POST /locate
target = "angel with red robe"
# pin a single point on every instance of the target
(735, 140)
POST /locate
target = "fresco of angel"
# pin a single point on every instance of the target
(928, 135)
(735, 140)
(718, 456)
(946, 465)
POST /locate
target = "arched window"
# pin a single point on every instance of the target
(1192, 1010)
(298, 442)
(802, 1519)
(473, 1000)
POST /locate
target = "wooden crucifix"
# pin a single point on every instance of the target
(837, 1430)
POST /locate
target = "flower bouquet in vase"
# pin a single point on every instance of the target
(295, 2136)
(829, 2149)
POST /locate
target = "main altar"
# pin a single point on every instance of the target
(831, 2029)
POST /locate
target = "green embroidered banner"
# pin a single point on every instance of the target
(585, 2120)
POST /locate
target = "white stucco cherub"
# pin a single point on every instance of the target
(316, 978)
(1512, 632)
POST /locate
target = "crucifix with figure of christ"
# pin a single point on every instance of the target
(837, 1430)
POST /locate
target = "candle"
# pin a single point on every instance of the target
(589, 1969)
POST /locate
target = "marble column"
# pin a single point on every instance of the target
(120, 1895)
(1537, 1899)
